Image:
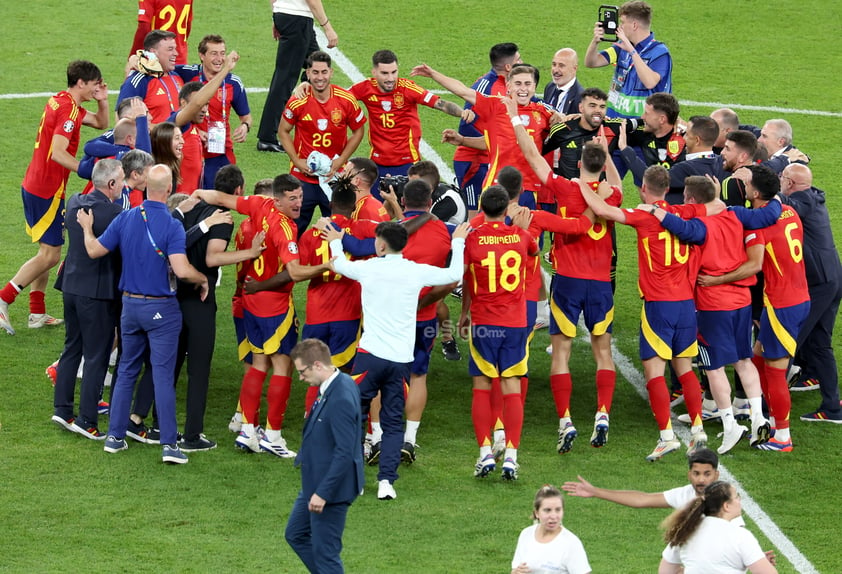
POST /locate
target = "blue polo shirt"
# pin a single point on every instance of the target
(145, 272)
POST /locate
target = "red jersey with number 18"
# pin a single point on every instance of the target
(785, 281)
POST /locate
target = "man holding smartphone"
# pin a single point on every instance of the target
(643, 65)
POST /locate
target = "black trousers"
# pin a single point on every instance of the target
(196, 342)
(814, 351)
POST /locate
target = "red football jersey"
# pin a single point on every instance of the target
(281, 248)
(242, 240)
(497, 256)
(503, 150)
(322, 126)
(566, 194)
(587, 256)
(429, 245)
(174, 16)
(330, 296)
(62, 116)
(394, 129)
(369, 207)
(785, 282)
(498, 88)
(721, 253)
(192, 161)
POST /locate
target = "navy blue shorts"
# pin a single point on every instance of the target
(668, 330)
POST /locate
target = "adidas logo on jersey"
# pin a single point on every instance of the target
(572, 145)
(372, 98)
(307, 118)
(160, 92)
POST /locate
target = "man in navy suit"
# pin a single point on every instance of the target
(565, 92)
(330, 459)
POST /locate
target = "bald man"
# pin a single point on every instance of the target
(565, 91)
(824, 281)
(728, 121)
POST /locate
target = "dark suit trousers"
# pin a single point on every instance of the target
(89, 332)
(317, 538)
(298, 40)
(814, 351)
(198, 337)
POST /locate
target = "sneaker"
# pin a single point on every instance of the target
(742, 409)
(65, 423)
(114, 444)
(87, 431)
(235, 425)
(276, 447)
(775, 445)
(822, 417)
(457, 292)
(600, 431)
(172, 454)
(451, 350)
(676, 397)
(153, 436)
(566, 436)
(36, 321)
(52, 372)
(697, 440)
(810, 384)
(485, 466)
(199, 444)
(408, 452)
(374, 455)
(247, 443)
(137, 432)
(385, 490)
(730, 439)
(498, 449)
(760, 432)
(4, 318)
(707, 415)
(549, 349)
(793, 374)
(366, 448)
(103, 408)
(663, 447)
(510, 469)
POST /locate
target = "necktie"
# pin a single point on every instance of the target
(315, 403)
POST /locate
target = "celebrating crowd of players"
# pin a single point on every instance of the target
(527, 170)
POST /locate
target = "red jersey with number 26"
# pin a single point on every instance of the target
(281, 248)
(496, 256)
(785, 282)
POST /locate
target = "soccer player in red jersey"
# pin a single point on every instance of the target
(231, 95)
(174, 16)
(321, 121)
(494, 303)
(43, 187)
(363, 173)
(394, 129)
(159, 90)
(668, 319)
(496, 126)
(269, 315)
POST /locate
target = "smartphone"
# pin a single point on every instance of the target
(609, 18)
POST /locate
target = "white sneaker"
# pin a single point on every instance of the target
(566, 436)
(697, 440)
(36, 321)
(4, 318)
(742, 409)
(247, 443)
(277, 447)
(235, 425)
(707, 415)
(730, 439)
(385, 490)
(663, 447)
(112, 359)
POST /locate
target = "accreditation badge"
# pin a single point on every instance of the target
(216, 137)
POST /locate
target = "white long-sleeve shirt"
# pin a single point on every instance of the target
(390, 289)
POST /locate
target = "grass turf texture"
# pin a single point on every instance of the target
(68, 504)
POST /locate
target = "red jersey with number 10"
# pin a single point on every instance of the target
(785, 281)
(322, 127)
(62, 116)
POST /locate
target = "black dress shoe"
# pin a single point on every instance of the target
(269, 146)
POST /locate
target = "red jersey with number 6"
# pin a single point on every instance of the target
(785, 281)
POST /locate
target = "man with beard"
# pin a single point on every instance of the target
(739, 150)
(656, 136)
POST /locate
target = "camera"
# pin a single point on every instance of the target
(609, 19)
(396, 182)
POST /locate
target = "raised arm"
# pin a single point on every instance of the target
(593, 59)
(536, 161)
(203, 96)
(599, 206)
(450, 84)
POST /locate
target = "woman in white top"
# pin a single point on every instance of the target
(703, 538)
(547, 547)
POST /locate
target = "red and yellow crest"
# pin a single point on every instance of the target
(399, 100)
(336, 116)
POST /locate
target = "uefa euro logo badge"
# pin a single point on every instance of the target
(525, 119)
(387, 105)
(321, 123)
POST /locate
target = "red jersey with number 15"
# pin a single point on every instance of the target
(322, 127)
(281, 248)
(62, 116)
(785, 281)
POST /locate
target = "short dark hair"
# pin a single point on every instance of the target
(82, 70)
(343, 200)
(228, 179)
(765, 181)
(155, 37)
(501, 53)
(384, 57)
(593, 157)
(308, 351)
(699, 188)
(189, 89)
(657, 179)
(284, 183)
(209, 39)
(594, 93)
(666, 104)
(525, 69)
(703, 456)
(426, 170)
(318, 56)
(640, 11)
(365, 168)
(494, 201)
(744, 140)
(125, 104)
(417, 194)
(393, 233)
(263, 187)
(705, 128)
(511, 180)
